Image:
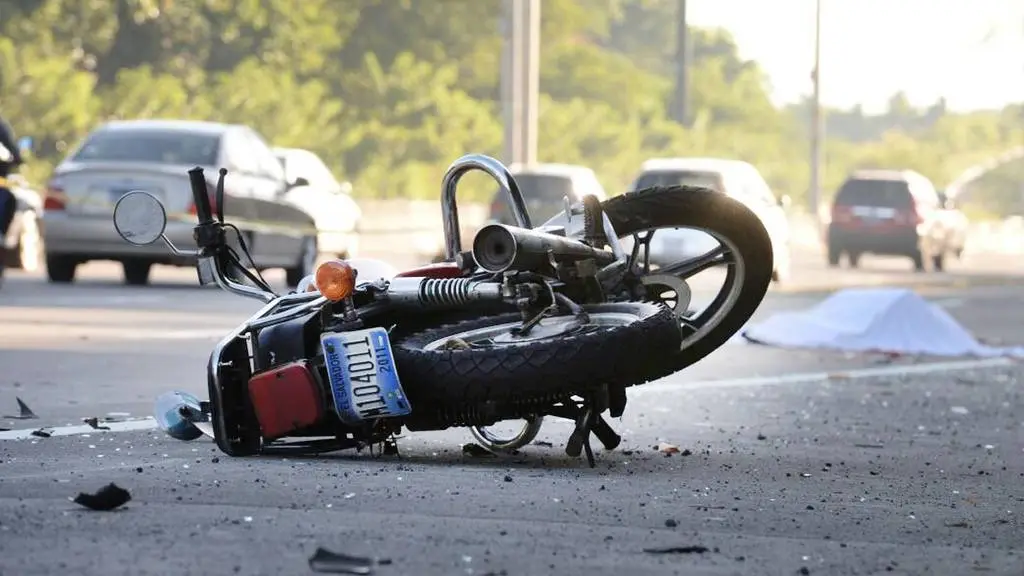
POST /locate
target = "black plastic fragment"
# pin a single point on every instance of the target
(476, 451)
(94, 423)
(107, 498)
(42, 433)
(324, 560)
(24, 412)
(677, 550)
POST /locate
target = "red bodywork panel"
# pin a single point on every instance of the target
(285, 399)
(436, 270)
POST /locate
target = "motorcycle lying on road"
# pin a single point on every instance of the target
(555, 320)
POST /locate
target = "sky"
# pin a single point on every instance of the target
(969, 51)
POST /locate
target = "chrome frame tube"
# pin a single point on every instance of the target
(449, 204)
(289, 314)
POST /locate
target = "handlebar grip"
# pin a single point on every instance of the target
(200, 195)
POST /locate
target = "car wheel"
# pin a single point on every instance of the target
(918, 260)
(136, 273)
(29, 251)
(306, 264)
(938, 262)
(854, 259)
(833, 255)
(782, 271)
(60, 269)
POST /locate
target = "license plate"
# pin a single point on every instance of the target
(362, 374)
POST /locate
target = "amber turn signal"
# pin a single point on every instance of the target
(336, 280)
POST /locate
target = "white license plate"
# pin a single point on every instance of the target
(364, 380)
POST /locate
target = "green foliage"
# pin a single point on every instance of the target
(389, 92)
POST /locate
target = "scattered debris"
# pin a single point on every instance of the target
(804, 571)
(960, 524)
(959, 410)
(389, 447)
(41, 433)
(94, 423)
(476, 451)
(666, 448)
(107, 498)
(543, 443)
(762, 437)
(677, 550)
(868, 446)
(671, 523)
(24, 412)
(324, 560)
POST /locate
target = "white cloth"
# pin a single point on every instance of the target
(874, 319)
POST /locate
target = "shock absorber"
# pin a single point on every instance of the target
(441, 292)
(593, 222)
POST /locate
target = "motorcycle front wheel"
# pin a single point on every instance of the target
(743, 249)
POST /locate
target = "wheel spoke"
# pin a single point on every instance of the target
(718, 256)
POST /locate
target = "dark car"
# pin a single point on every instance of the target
(544, 187)
(891, 213)
(155, 156)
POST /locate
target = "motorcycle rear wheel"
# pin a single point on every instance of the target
(556, 358)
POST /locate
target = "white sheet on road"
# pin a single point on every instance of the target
(874, 319)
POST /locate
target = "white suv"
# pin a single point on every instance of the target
(735, 178)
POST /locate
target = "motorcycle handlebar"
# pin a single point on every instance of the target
(200, 195)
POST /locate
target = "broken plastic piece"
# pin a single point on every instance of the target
(666, 448)
(24, 412)
(476, 451)
(176, 413)
(41, 433)
(94, 423)
(324, 560)
(107, 498)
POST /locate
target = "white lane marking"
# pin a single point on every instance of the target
(756, 382)
(175, 334)
(839, 374)
(117, 333)
(147, 423)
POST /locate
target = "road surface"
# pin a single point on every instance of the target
(796, 462)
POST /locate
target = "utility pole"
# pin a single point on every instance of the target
(681, 110)
(520, 79)
(817, 119)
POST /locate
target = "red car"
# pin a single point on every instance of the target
(894, 213)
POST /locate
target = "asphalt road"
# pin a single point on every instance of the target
(797, 461)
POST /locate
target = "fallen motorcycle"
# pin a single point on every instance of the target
(555, 320)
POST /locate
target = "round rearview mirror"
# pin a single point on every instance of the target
(177, 414)
(139, 218)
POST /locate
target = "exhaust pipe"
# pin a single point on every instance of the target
(497, 248)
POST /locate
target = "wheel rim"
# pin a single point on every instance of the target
(551, 327)
(30, 246)
(502, 445)
(669, 277)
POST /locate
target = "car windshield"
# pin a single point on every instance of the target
(701, 178)
(879, 193)
(159, 146)
(544, 188)
(305, 164)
